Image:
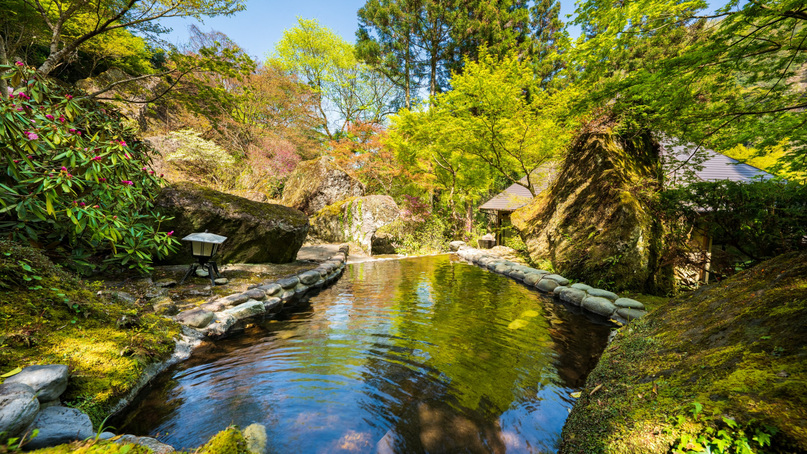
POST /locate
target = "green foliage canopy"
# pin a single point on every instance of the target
(497, 122)
(348, 91)
(722, 80)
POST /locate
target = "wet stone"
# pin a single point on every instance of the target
(18, 408)
(629, 304)
(273, 305)
(603, 294)
(195, 318)
(271, 289)
(572, 295)
(557, 278)
(532, 278)
(309, 277)
(48, 381)
(255, 294)
(546, 285)
(59, 425)
(289, 282)
(582, 286)
(599, 305)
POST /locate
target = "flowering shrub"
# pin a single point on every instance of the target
(75, 176)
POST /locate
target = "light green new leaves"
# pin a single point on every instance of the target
(496, 122)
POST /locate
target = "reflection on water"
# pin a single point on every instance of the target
(416, 355)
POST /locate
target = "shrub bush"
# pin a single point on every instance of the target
(76, 177)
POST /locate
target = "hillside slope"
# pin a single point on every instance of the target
(738, 348)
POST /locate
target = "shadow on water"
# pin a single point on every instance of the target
(415, 355)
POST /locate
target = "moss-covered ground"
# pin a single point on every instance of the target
(733, 352)
(228, 441)
(48, 316)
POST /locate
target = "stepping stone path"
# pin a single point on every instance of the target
(598, 301)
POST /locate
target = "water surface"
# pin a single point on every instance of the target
(415, 355)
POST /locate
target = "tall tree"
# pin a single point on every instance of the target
(386, 40)
(348, 91)
(496, 123)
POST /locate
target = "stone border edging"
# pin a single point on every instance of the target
(217, 319)
(598, 301)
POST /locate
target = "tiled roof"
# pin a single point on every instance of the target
(511, 199)
(516, 196)
(715, 167)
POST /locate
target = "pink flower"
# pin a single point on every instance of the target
(82, 204)
(170, 233)
(144, 169)
(31, 135)
(96, 158)
(64, 169)
(127, 155)
(102, 179)
(61, 118)
(72, 130)
(11, 96)
(161, 175)
(49, 116)
(127, 182)
(69, 97)
(16, 161)
(122, 143)
(19, 63)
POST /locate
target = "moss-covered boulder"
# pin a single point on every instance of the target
(355, 220)
(731, 354)
(256, 232)
(592, 222)
(318, 183)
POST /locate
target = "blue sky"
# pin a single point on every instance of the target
(261, 26)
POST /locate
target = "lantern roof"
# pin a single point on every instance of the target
(205, 238)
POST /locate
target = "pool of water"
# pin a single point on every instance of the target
(416, 355)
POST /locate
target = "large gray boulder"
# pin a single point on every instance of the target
(18, 408)
(354, 220)
(58, 425)
(48, 382)
(318, 183)
(256, 232)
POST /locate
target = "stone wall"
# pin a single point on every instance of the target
(598, 301)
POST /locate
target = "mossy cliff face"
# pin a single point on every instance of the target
(256, 232)
(736, 347)
(355, 220)
(48, 316)
(318, 183)
(591, 222)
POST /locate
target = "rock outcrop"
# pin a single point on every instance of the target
(592, 222)
(356, 220)
(318, 183)
(256, 232)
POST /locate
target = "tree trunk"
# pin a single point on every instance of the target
(3, 61)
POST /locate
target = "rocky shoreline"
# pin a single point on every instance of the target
(29, 400)
(598, 301)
